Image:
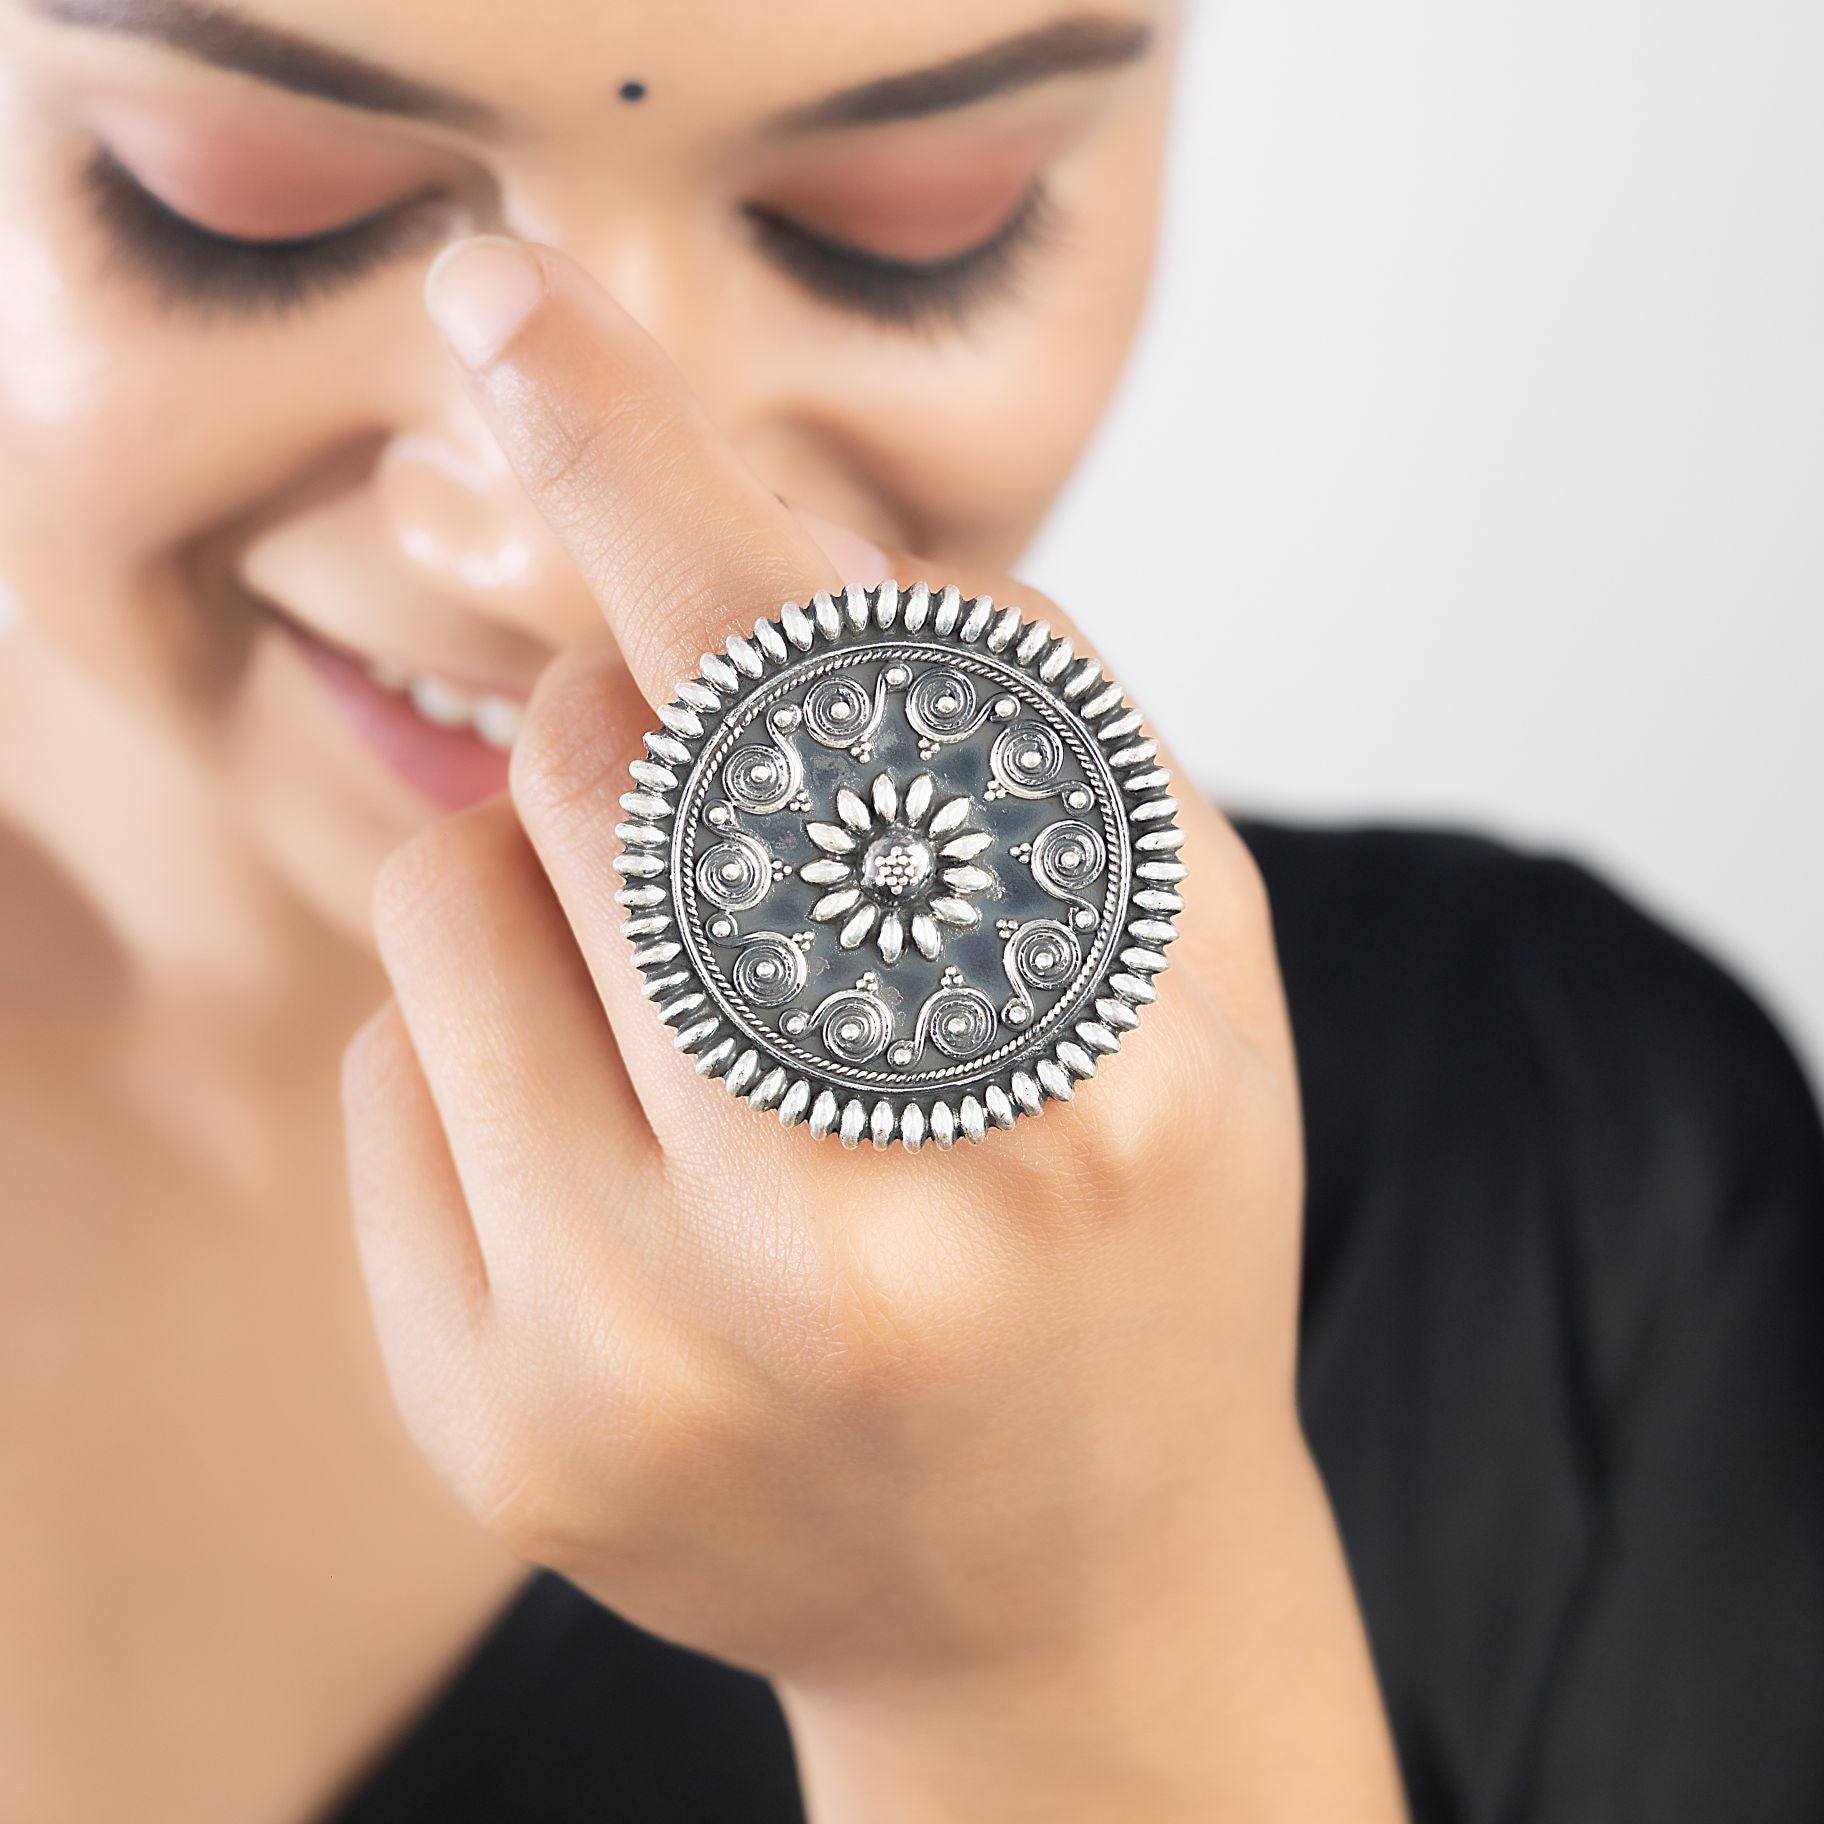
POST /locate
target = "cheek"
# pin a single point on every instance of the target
(81, 401)
(129, 433)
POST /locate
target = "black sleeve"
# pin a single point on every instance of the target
(1562, 1361)
(567, 1714)
(1687, 1682)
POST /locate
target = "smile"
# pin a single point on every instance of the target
(496, 719)
(450, 740)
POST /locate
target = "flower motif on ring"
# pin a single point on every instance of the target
(898, 865)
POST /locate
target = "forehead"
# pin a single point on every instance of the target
(726, 64)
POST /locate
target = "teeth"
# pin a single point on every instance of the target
(497, 720)
(439, 702)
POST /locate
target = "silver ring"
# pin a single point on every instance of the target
(900, 866)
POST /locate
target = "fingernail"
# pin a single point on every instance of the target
(479, 291)
(856, 560)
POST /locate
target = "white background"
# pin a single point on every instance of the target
(1475, 451)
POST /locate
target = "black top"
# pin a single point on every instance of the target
(1562, 1367)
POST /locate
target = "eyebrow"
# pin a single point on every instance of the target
(230, 41)
(1064, 47)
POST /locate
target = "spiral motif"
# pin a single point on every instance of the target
(838, 713)
(734, 873)
(1028, 759)
(1067, 856)
(958, 1021)
(1044, 953)
(942, 705)
(762, 779)
(1041, 954)
(769, 971)
(856, 1026)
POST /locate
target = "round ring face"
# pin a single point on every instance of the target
(900, 866)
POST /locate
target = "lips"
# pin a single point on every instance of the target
(449, 740)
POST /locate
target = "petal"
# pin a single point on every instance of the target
(968, 880)
(886, 798)
(918, 798)
(832, 904)
(925, 934)
(829, 838)
(966, 846)
(852, 811)
(949, 816)
(824, 873)
(891, 938)
(955, 911)
(856, 930)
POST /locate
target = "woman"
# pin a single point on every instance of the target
(335, 637)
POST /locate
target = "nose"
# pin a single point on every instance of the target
(465, 531)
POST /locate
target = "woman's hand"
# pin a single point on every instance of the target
(989, 1457)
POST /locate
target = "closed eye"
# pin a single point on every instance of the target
(196, 266)
(937, 292)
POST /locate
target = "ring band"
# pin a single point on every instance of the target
(900, 866)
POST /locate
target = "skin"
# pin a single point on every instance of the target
(216, 1530)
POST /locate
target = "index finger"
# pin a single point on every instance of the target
(677, 539)
(684, 547)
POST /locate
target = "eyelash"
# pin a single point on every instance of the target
(197, 268)
(908, 294)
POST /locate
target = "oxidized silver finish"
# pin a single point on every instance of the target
(900, 865)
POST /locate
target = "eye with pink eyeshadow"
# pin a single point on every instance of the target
(194, 266)
(935, 291)
(915, 229)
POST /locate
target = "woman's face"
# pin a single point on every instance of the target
(899, 252)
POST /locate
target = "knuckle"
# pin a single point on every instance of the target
(1248, 885)
(1126, 1150)
(566, 755)
(571, 452)
(1238, 883)
(431, 877)
(1104, 1163)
